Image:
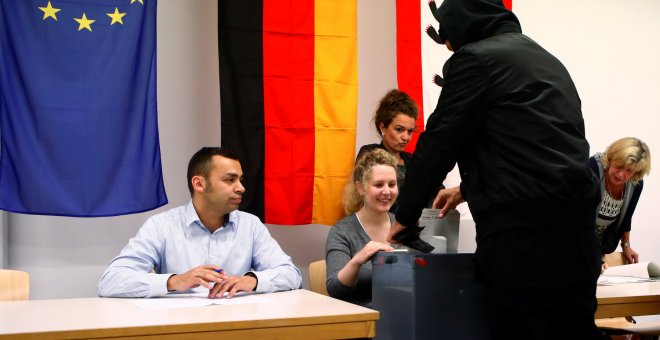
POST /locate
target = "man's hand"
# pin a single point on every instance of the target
(231, 285)
(198, 276)
(448, 199)
(369, 250)
(631, 255)
(395, 229)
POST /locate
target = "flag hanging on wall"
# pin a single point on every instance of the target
(288, 85)
(419, 58)
(79, 132)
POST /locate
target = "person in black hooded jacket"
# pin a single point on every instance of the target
(510, 116)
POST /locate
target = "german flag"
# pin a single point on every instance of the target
(288, 86)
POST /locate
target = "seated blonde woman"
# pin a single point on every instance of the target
(356, 238)
(620, 169)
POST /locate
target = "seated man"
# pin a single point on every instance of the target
(206, 242)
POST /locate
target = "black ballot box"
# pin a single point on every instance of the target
(427, 296)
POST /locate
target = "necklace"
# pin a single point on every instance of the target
(612, 194)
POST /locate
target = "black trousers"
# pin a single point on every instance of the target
(540, 282)
(542, 313)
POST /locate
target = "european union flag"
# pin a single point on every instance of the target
(78, 114)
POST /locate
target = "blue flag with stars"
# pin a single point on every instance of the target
(78, 114)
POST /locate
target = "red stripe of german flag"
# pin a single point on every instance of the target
(409, 58)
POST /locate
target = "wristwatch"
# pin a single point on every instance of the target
(625, 244)
(255, 277)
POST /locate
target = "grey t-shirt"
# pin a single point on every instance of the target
(345, 239)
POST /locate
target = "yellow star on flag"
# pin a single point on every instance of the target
(49, 11)
(84, 22)
(132, 1)
(116, 16)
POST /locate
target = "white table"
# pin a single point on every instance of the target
(298, 314)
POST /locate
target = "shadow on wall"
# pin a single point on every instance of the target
(304, 243)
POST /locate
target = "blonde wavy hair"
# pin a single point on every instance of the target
(352, 200)
(629, 152)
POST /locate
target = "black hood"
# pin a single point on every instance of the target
(466, 21)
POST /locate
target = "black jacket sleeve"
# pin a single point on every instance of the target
(450, 129)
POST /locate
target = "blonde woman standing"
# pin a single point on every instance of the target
(356, 238)
(620, 169)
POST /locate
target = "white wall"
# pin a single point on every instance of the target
(607, 46)
(611, 50)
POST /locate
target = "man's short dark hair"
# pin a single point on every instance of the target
(201, 162)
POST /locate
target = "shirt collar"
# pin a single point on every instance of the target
(191, 215)
(232, 221)
(193, 219)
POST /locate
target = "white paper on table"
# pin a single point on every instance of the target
(644, 270)
(606, 280)
(187, 300)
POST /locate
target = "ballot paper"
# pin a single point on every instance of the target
(441, 233)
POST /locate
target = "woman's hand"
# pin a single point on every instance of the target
(349, 274)
(369, 250)
(630, 254)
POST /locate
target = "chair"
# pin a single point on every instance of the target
(14, 285)
(625, 324)
(317, 277)
(615, 259)
(622, 325)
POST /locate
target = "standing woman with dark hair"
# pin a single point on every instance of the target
(620, 169)
(356, 238)
(395, 123)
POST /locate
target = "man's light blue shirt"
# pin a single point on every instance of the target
(175, 241)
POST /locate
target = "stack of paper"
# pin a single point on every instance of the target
(637, 272)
